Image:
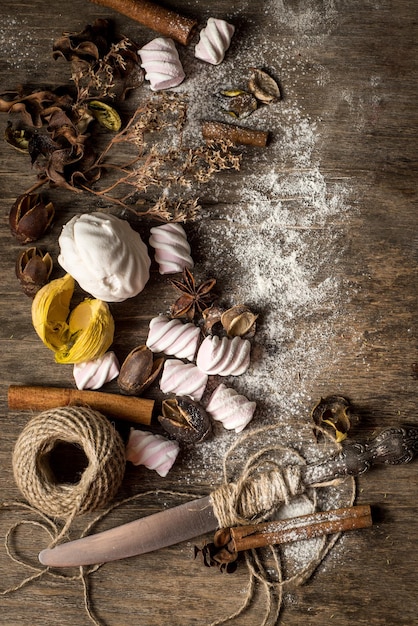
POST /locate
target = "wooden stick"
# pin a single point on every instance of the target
(232, 540)
(166, 22)
(130, 408)
(217, 131)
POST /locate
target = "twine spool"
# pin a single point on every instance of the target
(81, 427)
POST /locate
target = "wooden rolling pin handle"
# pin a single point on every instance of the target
(129, 408)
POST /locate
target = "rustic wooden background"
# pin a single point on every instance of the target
(366, 116)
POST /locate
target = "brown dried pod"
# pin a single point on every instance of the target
(138, 371)
(33, 269)
(185, 420)
(239, 321)
(333, 414)
(18, 138)
(237, 103)
(263, 86)
(211, 318)
(30, 217)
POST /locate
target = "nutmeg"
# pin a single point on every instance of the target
(33, 269)
(30, 217)
(138, 371)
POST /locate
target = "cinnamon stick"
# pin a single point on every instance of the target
(238, 135)
(164, 21)
(232, 540)
(130, 408)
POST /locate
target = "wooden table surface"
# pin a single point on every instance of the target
(317, 233)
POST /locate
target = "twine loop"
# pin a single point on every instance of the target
(94, 435)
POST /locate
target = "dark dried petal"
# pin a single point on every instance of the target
(333, 414)
(138, 371)
(185, 420)
(33, 269)
(29, 217)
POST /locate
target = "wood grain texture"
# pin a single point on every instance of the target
(351, 72)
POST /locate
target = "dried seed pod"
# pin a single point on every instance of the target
(263, 87)
(185, 420)
(239, 321)
(33, 269)
(106, 115)
(18, 138)
(333, 414)
(30, 217)
(212, 317)
(138, 371)
(237, 103)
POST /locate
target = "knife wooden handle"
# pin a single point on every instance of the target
(130, 408)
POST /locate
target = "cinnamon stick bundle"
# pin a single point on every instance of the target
(238, 135)
(166, 22)
(130, 408)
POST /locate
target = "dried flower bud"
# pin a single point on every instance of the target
(263, 86)
(185, 420)
(211, 318)
(33, 269)
(239, 321)
(30, 217)
(138, 371)
(333, 415)
(237, 103)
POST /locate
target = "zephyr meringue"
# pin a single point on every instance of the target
(153, 451)
(172, 250)
(94, 374)
(161, 62)
(183, 379)
(173, 337)
(229, 407)
(105, 256)
(225, 357)
(214, 41)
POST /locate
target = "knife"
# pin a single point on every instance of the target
(392, 446)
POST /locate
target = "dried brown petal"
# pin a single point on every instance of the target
(263, 86)
(239, 321)
(29, 217)
(333, 414)
(33, 269)
(138, 371)
(185, 420)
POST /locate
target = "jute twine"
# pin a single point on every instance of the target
(96, 437)
(265, 481)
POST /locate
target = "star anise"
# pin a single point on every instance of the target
(194, 298)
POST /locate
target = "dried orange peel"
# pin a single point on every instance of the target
(83, 334)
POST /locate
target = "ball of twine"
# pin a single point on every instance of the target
(94, 435)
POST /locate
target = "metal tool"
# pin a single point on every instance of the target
(392, 446)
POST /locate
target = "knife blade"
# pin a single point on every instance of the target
(192, 519)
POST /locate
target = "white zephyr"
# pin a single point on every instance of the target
(224, 357)
(229, 407)
(154, 451)
(94, 374)
(172, 250)
(161, 63)
(173, 337)
(214, 41)
(183, 379)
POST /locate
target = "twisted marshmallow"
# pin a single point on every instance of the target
(172, 250)
(173, 337)
(153, 451)
(94, 374)
(183, 379)
(214, 41)
(229, 407)
(225, 357)
(161, 63)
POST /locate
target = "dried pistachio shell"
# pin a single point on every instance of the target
(18, 138)
(82, 335)
(138, 371)
(185, 420)
(333, 414)
(106, 115)
(239, 321)
(263, 86)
